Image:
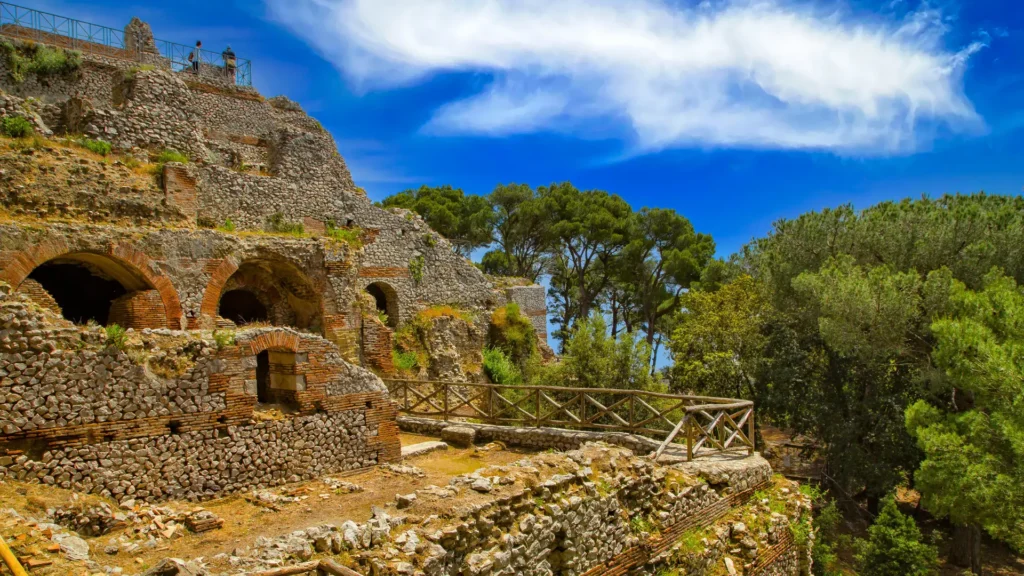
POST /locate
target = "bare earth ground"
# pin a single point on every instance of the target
(244, 521)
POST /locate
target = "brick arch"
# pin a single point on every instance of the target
(220, 272)
(17, 268)
(275, 340)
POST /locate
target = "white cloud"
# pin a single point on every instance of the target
(723, 74)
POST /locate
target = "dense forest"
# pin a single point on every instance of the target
(894, 336)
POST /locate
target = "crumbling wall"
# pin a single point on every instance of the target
(595, 510)
(153, 417)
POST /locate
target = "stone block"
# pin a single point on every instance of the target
(460, 436)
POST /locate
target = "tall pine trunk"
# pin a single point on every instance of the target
(965, 549)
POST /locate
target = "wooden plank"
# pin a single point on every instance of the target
(332, 568)
(303, 568)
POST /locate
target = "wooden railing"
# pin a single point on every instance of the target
(704, 422)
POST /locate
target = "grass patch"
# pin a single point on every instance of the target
(101, 147)
(276, 224)
(228, 225)
(130, 73)
(641, 525)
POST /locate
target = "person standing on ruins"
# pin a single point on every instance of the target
(196, 56)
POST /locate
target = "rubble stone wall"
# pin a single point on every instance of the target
(596, 510)
(83, 414)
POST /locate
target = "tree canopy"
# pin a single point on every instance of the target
(973, 440)
(465, 220)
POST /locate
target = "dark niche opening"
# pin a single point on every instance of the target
(242, 307)
(263, 377)
(81, 294)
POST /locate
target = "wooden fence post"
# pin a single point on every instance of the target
(751, 433)
(689, 439)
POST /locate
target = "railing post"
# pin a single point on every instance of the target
(536, 408)
(751, 433)
(689, 439)
(632, 425)
(444, 391)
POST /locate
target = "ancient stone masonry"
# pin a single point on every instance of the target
(157, 418)
(595, 510)
(186, 314)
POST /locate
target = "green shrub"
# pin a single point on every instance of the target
(500, 368)
(98, 146)
(169, 155)
(513, 332)
(228, 226)
(894, 546)
(116, 336)
(405, 361)
(278, 225)
(16, 127)
(416, 266)
(223, 338)
(47, 61)
(39, 59)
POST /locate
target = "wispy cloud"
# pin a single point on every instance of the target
(753, 74)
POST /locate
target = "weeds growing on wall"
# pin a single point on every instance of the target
(223, 338)
(116, 336)
(416, 266)
(39, 59)
(351, 236)
(278, 225)
(130, 73)
(170, 155)
(15, 127)
(164, 157)
(411, 337)
(228, 226)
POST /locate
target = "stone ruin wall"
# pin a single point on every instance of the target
(171, 416)
(156, 420)
(572, 513)
(220, 127)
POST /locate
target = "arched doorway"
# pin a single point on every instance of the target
(87, 287)
(386, 300)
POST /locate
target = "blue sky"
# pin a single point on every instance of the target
(733, 113)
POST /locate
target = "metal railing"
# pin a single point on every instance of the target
(52, 29)
(705, 422)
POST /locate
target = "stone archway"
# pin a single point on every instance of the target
(385, 298)
(136, 293)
